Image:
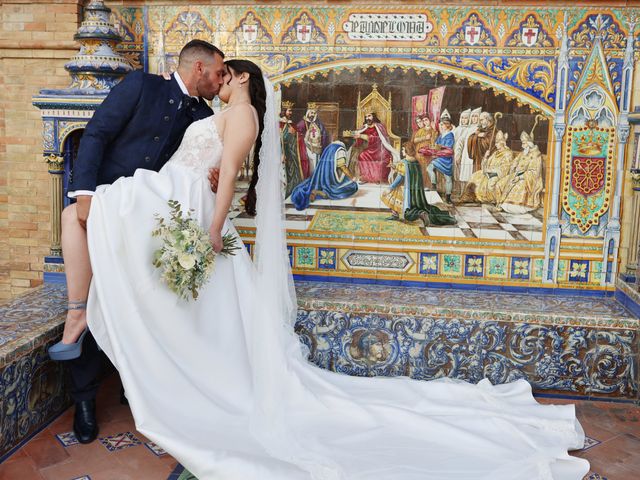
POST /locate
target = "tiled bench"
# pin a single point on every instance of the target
(32, 388)
(582, 346)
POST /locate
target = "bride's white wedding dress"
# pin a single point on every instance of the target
(222, 384)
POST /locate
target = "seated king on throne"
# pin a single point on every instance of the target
(375, 147)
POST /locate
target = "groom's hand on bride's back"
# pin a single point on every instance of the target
(214, 176)
(83, 204)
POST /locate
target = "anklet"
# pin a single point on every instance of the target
(77, 305)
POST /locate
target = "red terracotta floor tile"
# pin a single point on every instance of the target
(141, 459)
(62, 424)
(616, 459)
(46, 450)
(22, 468)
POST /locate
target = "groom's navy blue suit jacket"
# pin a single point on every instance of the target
(138, 125)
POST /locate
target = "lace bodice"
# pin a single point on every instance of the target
(201, 146)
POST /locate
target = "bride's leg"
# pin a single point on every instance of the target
(78, 270)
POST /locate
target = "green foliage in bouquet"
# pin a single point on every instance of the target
(186, 258)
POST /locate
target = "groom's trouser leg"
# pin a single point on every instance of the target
(86, 369)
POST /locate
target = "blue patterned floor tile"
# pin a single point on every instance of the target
(590, 442)
(120, 441)
(67, 439)
(155, 449)
(181, 473)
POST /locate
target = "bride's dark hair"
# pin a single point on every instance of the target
(258, 100)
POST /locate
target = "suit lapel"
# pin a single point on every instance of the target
(203, 110)
(175, 94)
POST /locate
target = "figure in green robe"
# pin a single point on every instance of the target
(405, 196)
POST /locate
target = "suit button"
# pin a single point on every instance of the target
(193, 109)
(167, 118)
(171, 101)
(147, 159)
(156, 139)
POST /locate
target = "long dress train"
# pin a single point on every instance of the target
(222, 384)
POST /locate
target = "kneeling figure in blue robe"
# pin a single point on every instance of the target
(331, 178)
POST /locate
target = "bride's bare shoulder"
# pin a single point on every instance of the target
(243, 115)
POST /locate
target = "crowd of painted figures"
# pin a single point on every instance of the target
(473, 159)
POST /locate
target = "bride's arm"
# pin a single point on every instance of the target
(239, 135)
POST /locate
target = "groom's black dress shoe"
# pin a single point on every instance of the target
(85, 426)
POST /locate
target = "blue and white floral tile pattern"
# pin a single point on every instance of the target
(26, 320)
(532, 308)
(32, 392)
(579, 345)
(32, 388)
(570, 359)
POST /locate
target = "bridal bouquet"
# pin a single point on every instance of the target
(186, 258)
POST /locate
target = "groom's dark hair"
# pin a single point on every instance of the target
(198, 47)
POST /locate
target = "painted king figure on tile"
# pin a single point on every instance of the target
(290, 147)
(375, 152)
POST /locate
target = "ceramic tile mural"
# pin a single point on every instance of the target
(424, 138)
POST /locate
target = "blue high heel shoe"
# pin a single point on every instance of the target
(69, 351)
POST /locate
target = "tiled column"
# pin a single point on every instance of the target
(633, 265)
(56, 169)
(554, 233)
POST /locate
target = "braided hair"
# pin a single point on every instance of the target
(258, 96)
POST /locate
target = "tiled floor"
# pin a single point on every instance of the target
(474, 220)
(124, 454)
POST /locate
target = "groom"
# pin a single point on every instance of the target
(140, 124)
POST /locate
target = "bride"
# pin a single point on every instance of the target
(222, 383)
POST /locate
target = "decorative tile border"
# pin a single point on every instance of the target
(428, 263)
(443, 267)
(497, 267)
(289, 30)
(327, 258)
